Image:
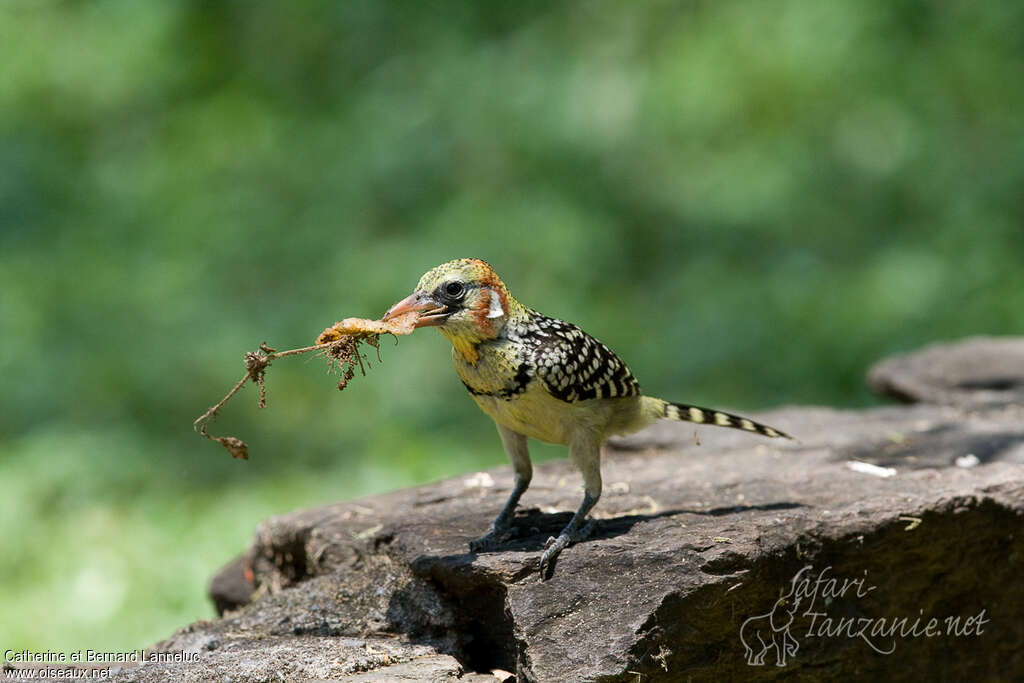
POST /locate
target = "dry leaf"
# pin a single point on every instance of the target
(401, 324)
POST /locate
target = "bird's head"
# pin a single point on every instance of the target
(465, 299)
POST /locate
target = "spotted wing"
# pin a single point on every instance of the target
(573, 365)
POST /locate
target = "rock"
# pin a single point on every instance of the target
(232, 655)
(707, 560)
(232, 586)
(974, 371)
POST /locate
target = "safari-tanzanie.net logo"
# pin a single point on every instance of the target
(802, 613)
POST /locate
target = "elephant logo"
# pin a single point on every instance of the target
(767, 632)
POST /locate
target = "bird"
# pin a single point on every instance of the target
(542, 378)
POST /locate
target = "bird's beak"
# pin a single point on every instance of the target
(431, 312)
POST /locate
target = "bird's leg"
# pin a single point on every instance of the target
(570, 534)
(501, 527)
(518, 453)
(587, 457)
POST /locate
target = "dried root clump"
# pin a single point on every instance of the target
(339, 343)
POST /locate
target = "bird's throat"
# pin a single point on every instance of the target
(465, 347)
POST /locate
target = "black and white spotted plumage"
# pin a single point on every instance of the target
(572, 365)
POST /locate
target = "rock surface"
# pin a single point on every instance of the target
(696, 545)
(974, 371)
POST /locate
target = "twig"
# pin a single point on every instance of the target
(339, 342)
(344, 351)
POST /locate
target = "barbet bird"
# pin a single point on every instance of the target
(543, 378)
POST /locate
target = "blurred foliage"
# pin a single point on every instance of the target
(750, 201)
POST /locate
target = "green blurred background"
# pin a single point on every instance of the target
(750, 201)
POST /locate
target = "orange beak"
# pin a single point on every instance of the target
(431, 312)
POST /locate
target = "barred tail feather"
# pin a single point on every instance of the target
(685, 413)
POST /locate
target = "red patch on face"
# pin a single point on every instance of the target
(483, 307)
(480, 311)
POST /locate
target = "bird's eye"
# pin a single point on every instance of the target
(454, 289)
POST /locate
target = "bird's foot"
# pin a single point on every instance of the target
(554, 546)
(493, 539)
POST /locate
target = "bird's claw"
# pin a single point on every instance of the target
(549, 557)
(554, 546)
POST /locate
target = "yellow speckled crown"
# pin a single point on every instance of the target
(467, 269)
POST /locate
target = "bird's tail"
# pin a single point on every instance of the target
(684, 413)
